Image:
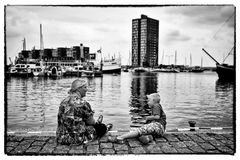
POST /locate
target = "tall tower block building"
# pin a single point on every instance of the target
(145, 42)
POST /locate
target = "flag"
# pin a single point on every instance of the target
(99, 51)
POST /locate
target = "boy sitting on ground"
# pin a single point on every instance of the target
(156, 123)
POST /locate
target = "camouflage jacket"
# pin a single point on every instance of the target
(73, 114)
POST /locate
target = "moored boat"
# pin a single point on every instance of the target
(111, 66)
(225, 72)
(39, 72)
(140, 69)
(88, 73)
(197, 69)
(55, 71)
(22, 70)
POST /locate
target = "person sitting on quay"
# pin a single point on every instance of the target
(76, 124)
(156, 123)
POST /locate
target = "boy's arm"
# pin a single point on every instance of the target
(155, 114)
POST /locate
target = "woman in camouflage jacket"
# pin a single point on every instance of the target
(75, 116)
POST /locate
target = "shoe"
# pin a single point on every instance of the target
(150, 138)
(109, 126)
(115, 140)
(100, 119)
(145, 139)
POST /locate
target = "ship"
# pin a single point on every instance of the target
(107, 65)
(225, 72)
(111, 66)
(197, 69)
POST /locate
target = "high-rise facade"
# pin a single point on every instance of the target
(145, 42)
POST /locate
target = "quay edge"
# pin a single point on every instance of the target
(187, 142)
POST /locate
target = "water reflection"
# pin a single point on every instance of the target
(142, 85)
(224, 86)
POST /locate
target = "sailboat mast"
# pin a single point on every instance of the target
(175, 57)
(129, 58)
(162, 57)
(190, 60)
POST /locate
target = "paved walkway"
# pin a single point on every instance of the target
(171, 143)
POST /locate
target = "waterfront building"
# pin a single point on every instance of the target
(54, 53)
(61, 54)
(145, 42)
(86, 53)
(35, 54)
(47, 53)
(69, 52)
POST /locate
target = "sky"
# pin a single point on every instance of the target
(182, 29)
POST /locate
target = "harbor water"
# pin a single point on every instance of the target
(32, 103)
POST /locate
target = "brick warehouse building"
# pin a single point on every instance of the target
(145, 42)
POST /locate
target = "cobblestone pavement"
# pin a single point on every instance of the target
(170, 143)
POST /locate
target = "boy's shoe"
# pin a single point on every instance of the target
(109, 126)
(145, 139)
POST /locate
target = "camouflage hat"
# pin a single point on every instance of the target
(77, 84)
(154, 96)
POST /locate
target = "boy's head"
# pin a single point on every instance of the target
(153, 98)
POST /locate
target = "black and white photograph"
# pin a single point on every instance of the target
(119, 79)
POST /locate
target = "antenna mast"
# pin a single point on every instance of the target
(24, 44)
(41, 38)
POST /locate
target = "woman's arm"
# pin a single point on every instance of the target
(89, 115)
(153, 117)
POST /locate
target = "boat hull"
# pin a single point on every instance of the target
(55, 72)
(197, 70)
(113, 70)
(226, 73)
(87, 73)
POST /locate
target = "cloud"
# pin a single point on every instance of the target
(175, 36)
(13, 34)
(203, 15)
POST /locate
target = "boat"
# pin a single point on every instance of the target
(225, 72)
(22, 70)
(111, 66)
(90, 70)
(39, 72)
(74, 71)
(88, 73)
(167, 70)
(197, 69)
(97, 71)
(55, 71)
(139, 69)
(173, 70)
(125, 69)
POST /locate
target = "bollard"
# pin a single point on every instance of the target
(192, 125)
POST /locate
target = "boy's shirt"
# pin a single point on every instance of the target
(157, 110)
